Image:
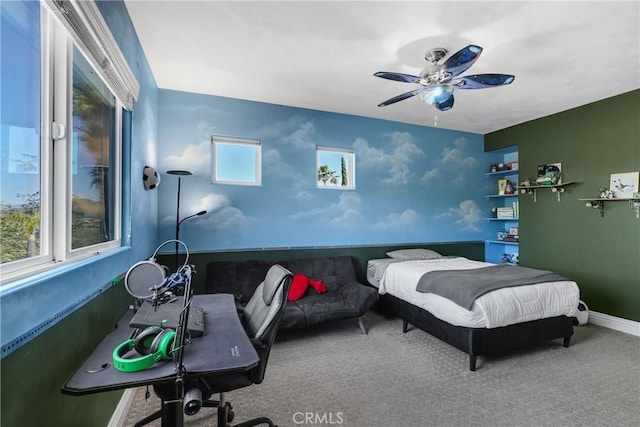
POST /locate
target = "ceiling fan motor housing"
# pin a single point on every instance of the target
(436, 54)
(434, 74)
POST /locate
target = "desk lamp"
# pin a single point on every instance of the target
(180, 174)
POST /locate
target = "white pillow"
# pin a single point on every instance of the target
(409, 254)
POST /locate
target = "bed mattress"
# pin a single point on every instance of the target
(497, 308)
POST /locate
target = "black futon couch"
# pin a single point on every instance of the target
(345, 297)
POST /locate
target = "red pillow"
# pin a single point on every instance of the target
(298, 287)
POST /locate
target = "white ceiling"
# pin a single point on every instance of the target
(322, 54)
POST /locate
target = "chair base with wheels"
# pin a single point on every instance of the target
(226, 414)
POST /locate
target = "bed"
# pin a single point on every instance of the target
(512, 315)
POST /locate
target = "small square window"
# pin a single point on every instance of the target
(335, 168)
(235, 161)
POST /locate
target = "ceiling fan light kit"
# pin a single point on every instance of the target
(438, 81)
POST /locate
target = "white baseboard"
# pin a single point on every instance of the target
(120, 413)
(616, 323)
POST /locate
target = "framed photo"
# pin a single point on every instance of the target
(550, 174)
(624, 185)
(513, 231)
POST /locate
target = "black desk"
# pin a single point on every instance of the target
(224, 347)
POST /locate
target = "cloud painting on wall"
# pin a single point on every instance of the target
(413, 183)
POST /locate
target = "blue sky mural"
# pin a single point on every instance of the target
(413, 183)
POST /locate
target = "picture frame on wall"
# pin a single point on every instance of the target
(549, 174)
(624, 185)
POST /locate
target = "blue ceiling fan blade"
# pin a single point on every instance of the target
(462, 60)
(401, 97)
(481, 81)
(398, 77)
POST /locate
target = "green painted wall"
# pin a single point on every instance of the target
(601, 254)
(33, 375)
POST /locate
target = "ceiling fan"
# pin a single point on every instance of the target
(439, 80)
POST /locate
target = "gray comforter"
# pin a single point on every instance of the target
(464, 286)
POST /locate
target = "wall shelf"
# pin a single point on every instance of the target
(598, 203)
(500, 242)
(555, 188)
(500, 196)
(499, 251)
(505, 172)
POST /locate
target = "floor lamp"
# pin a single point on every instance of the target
(180, 174)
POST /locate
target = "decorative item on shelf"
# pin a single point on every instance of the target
(501, 235)
(508, 189)
(512, 235)
(502, 185)
(494, 212)
(514, 165)
(506, 258)
(525, 186)
(494, 167)
(502, 167)
(505, 213)
(549, 174)
(623, 185)
(607, 194)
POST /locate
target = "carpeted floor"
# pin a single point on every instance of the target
(333, 375)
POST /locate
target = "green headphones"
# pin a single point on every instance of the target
(153, 343)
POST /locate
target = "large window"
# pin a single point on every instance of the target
(93, 158)
(61, 128)
(235, 161)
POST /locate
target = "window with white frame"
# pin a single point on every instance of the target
(64, 85)
(335, 168)
(235, 160)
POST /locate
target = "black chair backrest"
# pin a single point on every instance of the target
(269, 292)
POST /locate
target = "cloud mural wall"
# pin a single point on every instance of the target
(414, 184)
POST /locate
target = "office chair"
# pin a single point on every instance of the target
(260, 318)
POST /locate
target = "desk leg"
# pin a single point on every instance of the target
(172, 414)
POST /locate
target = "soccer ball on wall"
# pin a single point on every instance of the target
(150, 178)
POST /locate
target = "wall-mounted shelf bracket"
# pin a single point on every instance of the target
(635, 205)
(595, 204)
(555, 188)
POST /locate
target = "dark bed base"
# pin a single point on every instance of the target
(478, 341)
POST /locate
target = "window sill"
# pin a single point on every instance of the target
(18, 280)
